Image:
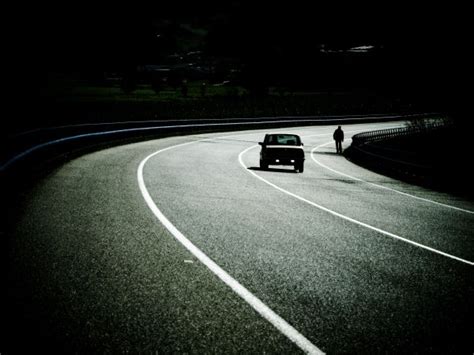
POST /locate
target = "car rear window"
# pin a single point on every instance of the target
(283, 139)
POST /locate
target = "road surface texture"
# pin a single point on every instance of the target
(183, 245)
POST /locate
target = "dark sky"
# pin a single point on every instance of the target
(425, 43)
(79, 31)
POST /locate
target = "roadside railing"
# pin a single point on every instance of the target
(365, 137)
(374, 150)
(46, 144)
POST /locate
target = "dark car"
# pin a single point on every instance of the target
(282, 149)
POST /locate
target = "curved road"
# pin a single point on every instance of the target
(182, 245)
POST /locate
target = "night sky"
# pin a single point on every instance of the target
(81, 32)
(426, 44)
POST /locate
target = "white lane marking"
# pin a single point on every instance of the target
(284, 327)
(381, 186)
(381, 231)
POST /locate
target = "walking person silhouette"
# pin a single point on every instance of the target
(339, 138)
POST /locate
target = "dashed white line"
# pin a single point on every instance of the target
(381, 231)
(283, 326)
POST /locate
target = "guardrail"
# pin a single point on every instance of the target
(365, 137)
(368, 149)
(45, 143)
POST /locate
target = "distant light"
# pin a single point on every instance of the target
(158, 36)
(361, 49)
(358, 49)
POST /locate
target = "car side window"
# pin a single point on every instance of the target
(271, 140)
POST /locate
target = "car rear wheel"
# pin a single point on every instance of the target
(299, 167)
(263, 165)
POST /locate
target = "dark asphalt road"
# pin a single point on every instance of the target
(93, 270)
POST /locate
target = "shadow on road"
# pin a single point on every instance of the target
(273, 169)
(326, 153)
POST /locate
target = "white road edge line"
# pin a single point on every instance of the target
(284, 327)
(334, 213)
(381, 186)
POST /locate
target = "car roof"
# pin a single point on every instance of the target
(282, 134)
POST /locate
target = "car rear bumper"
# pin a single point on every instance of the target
(278, 161)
